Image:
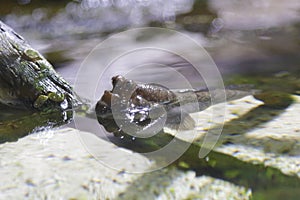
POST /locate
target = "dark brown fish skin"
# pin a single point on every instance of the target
(159, 94)
(153, 96)
(150, 92)
(156, 93)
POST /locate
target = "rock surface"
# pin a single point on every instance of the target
(55, 165)
(271, 135)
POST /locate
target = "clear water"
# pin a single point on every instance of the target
(257, 40)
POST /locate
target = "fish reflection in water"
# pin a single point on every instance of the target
(147, 108)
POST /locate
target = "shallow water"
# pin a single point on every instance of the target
(239, 41)
(253, 42)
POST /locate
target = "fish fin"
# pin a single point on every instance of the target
(180, 122)
(158, 85)
(230, 94)
(238, 91)
(237, 94)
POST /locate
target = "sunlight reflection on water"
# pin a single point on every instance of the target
(256, 14)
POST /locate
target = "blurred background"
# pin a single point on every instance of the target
(244, 37)
(251, 41)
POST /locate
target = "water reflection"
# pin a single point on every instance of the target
(256, 14)
(243, 36)
(97, 16)
(258, 37)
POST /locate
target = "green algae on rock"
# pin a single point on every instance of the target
(275, 99)
(26, 77)
(28, 82)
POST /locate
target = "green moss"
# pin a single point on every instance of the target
(32, 54)
(275, 99)
(40, 101)
(289, 83)
(193, 197)
(56, 97)
(232, 173)
(172, 191)
(277, 194)
(212, 162)
(44, 65)
(184, 165)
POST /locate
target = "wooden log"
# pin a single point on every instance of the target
(30, 89)
(27, 79)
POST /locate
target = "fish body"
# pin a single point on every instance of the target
(147, 104)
